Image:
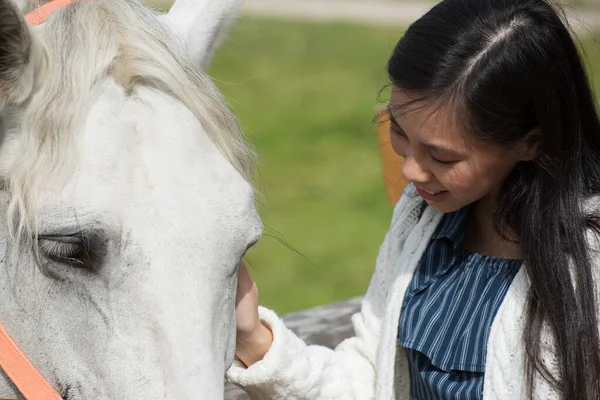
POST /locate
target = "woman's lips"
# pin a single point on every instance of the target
(432, 196)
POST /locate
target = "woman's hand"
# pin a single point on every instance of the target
(253, 338)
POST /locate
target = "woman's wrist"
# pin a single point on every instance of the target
(252, 348)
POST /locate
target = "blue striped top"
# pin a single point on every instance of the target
(448, 312)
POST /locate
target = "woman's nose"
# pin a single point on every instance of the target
(414, 172)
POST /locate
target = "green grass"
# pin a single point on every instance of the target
(591, 52)
(306, 94)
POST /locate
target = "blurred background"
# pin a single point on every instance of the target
(305, 78)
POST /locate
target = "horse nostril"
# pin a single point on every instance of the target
(251, 245)
(68, 392)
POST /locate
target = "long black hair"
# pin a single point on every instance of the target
(512, 67)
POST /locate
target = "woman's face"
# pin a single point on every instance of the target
(450, 169)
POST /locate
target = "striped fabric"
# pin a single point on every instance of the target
(448, 312)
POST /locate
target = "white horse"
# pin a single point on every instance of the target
(126, 202)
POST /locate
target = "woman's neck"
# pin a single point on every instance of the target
(481, 235)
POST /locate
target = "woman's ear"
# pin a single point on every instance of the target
(20, 55)
(529, 148)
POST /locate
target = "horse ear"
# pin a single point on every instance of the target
(17, 55)
(202, 24)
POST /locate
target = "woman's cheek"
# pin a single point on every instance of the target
(455, 180)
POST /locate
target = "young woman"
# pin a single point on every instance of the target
(486, 284)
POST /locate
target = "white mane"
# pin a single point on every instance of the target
(84, 43)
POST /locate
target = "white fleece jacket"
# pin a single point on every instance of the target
(369, 365)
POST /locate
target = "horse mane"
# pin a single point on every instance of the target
(83, 43)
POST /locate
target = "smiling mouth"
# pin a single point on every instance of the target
(432, 192)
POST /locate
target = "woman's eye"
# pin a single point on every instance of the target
(69, 250)
(440, 161)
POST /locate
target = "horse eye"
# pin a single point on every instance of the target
(70, 250)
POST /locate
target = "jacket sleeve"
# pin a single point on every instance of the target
(293, 370)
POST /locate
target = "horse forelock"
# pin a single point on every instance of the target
(84, 43)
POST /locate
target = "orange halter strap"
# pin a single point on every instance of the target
(41, 14)
(22, 373)
(13, 362)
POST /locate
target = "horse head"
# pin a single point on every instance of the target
(126, 200)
